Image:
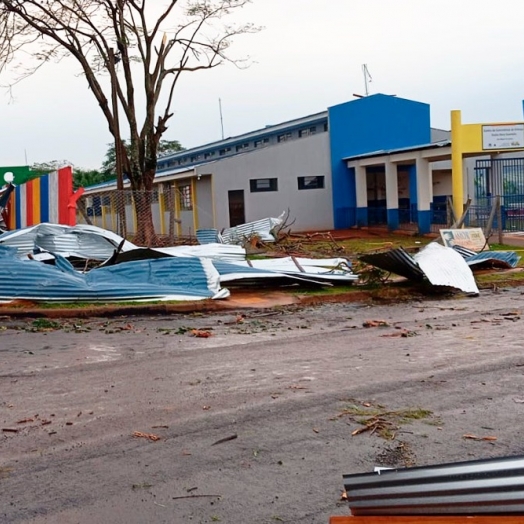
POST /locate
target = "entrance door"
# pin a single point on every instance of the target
(237, 213)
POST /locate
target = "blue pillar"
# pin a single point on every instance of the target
(424, 222)
(393, 219)
(362, 216)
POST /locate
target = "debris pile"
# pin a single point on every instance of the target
(58, 263)
(439, 265)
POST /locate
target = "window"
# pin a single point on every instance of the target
(257, 185)
(194, 158)
(310, 182)
(326, 126)
(210, 154)
(241, 147)
(262, 142)
(224, 151)
(184, 193)
(284, 138)
(308, 131)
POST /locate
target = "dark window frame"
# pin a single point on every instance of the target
(259, 185)
(284, 137)
(319, 183)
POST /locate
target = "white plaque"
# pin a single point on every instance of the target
(503, 136)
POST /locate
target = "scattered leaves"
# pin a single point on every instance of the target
(149, 436)
(474, 437)
(383, 422)
(375, 323)
(200, 333)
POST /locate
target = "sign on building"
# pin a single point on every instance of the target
(503, 136)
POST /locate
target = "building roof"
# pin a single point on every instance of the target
(383, 152)
(267, 130)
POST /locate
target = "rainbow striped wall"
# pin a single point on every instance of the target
(43, 199)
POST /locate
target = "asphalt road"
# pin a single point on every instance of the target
(255, 422)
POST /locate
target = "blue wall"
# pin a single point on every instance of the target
(374, 123)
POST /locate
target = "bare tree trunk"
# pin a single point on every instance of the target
(145, 234)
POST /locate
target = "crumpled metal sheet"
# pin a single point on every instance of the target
(245, 275)
(262, 228)
(208, 236)
(322, 269)
(230, 252)
(504, 259)
(157, 279)
(82, 241)
(443, 266)
(396, 261)
(233, 266)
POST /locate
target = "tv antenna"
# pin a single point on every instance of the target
(367, 78)
(221, 117)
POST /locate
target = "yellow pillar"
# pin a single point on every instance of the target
(457, 176)
(195, 204)
(162, 208)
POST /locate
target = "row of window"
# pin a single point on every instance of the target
(261, 142)
(185, 194)
(259, 185)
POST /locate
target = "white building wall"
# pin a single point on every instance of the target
(204, 202)
(308, 156)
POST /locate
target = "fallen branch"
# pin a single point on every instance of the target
(195, 496)
(225, 439)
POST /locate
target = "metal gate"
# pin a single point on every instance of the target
(504, 177)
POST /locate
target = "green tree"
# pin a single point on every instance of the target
(165, 147)
(140, 46)
(81, 177)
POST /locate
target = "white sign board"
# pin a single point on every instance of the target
(503, 136)
(472, 238)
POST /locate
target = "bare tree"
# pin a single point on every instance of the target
(139, 45)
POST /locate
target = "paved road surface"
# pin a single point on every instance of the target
(280, 382)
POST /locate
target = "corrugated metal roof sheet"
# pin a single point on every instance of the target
(493, 486)
(396, 261)
(158, 279)
(262, 228)
(327, 271)
(208, 236)
(83, 241)
(443, 266)
(382, 152)
(505, 259)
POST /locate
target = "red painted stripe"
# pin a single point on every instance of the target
(29, 203)
(65, 190)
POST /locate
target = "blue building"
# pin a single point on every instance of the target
(372, 160)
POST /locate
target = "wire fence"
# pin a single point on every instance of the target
(170, 209)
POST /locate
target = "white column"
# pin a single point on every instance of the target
(361, 188)
(391, 185)
(424, 184)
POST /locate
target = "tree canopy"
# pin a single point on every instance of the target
(141, 46)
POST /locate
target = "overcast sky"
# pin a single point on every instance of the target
(452, 54)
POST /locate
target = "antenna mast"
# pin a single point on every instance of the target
(367, 78)
(221, 118)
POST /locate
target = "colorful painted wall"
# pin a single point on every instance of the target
(45, 199)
